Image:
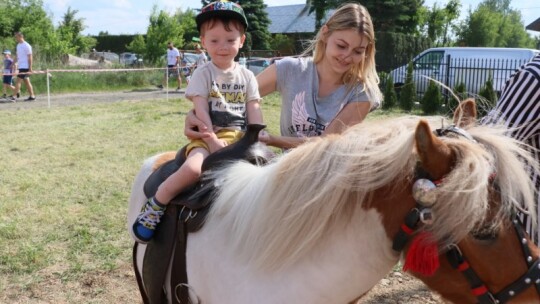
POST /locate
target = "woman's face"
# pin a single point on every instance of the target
(345, 49)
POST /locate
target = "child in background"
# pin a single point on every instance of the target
(225, 96)
(7, 79)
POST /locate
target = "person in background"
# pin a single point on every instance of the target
(7, 79)
(173, 66)
(24, 61)
(326, 93)
(201, 58)
(518, 108)
(225, 97)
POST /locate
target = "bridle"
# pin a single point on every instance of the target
(421, 214)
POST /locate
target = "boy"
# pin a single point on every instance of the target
(7, 79)
(225, 96)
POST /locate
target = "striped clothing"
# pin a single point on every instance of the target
(519, 107)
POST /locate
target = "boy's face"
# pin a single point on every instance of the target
(222, 45)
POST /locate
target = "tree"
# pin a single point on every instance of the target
(162, 29)
(390, 96)
(408, 91)
(70, 30)
(258, 23)
(494, 24)
(137, 45)
(400, 16)
(438, 21)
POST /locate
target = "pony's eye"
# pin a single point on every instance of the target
(484, 234)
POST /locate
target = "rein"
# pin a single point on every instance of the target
(422, 214)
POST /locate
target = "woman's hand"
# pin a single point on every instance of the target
(194, 128)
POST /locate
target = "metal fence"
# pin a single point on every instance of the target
(450, 72)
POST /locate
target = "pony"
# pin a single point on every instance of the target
(324, 222)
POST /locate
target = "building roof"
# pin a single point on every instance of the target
(535, 26)
(287, 19)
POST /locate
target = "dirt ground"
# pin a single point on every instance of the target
(396, 288)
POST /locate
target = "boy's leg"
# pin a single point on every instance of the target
(151, 213)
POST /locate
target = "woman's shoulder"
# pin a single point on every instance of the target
(295, 63)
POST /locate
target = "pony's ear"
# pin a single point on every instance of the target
(436, 157)
(465, 113)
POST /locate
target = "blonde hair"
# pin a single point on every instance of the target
(352, 16)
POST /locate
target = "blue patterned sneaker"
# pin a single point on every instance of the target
(146, 223)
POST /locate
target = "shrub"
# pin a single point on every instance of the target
(487, 99)
(408, 91)
(390, 96)
(432, 100)
(461, 92)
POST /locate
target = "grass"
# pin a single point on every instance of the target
(66, 175)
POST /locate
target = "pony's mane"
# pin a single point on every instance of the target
(283, 210)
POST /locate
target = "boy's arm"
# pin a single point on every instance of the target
(203, 113)
(253, 112)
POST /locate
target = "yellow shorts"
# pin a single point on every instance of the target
(230, 136)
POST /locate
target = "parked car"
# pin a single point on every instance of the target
(191, 58)
(128, 59)
(258, 64)
(472, 66)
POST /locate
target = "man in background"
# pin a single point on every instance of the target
(173, 66)
(24, 62)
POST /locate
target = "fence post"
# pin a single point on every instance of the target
(47, 75)
(447, 79)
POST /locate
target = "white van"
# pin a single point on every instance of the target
(471, 65)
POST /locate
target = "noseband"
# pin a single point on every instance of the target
(422, 214)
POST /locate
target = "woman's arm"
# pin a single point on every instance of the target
(283, 142)
(351, 114)
(267, 80)
(194, 128)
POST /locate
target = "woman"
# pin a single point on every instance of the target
(326, 93)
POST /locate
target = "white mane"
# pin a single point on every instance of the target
(278, 212)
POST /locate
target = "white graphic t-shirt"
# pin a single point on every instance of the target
(227, 94)
(303, 112)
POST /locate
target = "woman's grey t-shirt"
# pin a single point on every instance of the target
(303, 112)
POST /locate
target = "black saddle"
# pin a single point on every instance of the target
(186, 213)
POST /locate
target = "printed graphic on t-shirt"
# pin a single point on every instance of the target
(303, 125)
(227, 102)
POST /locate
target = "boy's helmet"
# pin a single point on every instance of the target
(221, 8)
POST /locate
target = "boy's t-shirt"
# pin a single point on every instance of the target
(303, 112)
(227, 93)
(8, 64)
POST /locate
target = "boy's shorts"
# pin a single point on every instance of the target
(173, 71)
(230, 136)
(22, 73)
(7, 79)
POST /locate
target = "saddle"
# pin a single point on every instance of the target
(186, 213)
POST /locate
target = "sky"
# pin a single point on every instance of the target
(131, 16)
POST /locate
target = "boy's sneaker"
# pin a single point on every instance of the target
(30, 98)
(178, 89)
(146, 223)
(11, 98)
(18, 95)
(159, 86)
(4, 96)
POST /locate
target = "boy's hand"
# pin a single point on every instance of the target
(264, 137)
(214, 143)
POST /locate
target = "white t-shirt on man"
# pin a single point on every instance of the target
(23, 50)
(172, 56)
